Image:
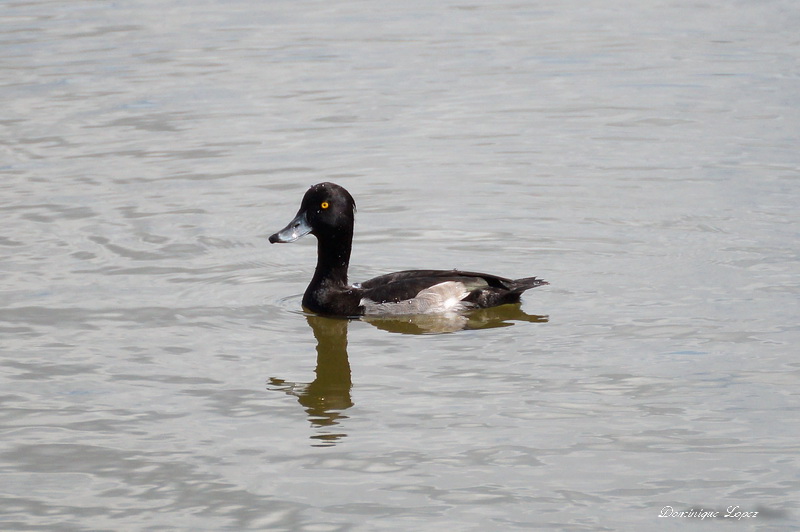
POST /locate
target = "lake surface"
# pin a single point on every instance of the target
(159, 374)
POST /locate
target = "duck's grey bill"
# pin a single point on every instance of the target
(296, 228)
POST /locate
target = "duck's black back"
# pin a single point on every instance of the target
(485, 289)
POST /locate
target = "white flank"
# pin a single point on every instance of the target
(439, 298)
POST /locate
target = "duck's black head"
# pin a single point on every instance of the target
(327, 211)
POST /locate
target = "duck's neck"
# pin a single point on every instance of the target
(333, 258)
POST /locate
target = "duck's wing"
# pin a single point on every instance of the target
(398, 286)
(424, 291)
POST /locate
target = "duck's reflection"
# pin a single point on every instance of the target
(486, 318)
(328, 395)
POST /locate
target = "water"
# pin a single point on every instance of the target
(157, 373)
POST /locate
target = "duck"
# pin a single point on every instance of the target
(327, 211)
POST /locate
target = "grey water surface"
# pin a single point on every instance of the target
(157, 372)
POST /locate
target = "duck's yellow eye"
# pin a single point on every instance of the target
(324, 205)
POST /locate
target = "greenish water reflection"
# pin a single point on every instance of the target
(487, 318)
(328, 395)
